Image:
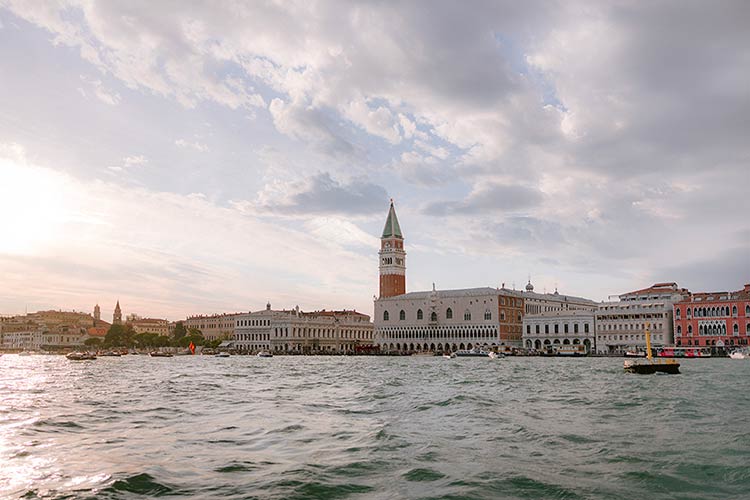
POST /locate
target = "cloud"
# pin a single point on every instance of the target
(197, 146)
(129, 162)
(488, 199)
(320, 194)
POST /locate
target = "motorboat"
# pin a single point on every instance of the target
(474, 353)
(739, 354)
(80, 356)
(221, 355)
(264, 354)
(110, 353)
(159, 354)
(635, 354)
(650, 365)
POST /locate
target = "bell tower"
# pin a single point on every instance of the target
(392, 258)
(117, 316)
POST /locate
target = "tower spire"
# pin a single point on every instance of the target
(392, 257)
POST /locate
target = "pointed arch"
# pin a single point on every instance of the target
(449, 313)
(420, 315)
(401, 315)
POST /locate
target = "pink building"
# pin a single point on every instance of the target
(720, 319)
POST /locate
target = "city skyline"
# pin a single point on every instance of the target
(215, 160)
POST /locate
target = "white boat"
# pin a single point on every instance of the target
(474, 353)
(740, 354)
(264, 354)
(635, 354)
(25, 353)
(221, 355)
(572, 350)
(80, 356)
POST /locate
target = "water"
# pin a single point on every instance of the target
(346, 427)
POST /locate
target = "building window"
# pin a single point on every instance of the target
(433, 316)
(419, 314)
(537, 329)
(679, 330)
(736, 329)
(401, 315)
(528, 329)
(385, 316)
(546, 329)
(575, 328)
(565, 328)
(467, 315)
(677, 312)
(734, 311)
(690, 329)
(487, 315)
(585, 328)
(449, 313)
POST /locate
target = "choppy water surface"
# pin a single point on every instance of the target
(337, 427)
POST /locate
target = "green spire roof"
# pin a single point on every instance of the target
(392, 228)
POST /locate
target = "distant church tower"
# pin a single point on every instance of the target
(117, 316)
(392, 258)
(97, 313)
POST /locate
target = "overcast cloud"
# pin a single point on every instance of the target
(596, 146)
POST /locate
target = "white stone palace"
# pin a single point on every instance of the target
(293, 331)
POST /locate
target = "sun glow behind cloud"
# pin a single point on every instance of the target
(34, 206)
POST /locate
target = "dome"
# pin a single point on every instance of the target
(529, 287)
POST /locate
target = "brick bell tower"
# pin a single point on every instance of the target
(392, 258)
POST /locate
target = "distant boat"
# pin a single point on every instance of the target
(572, 350)
(635, 354)
(221, 355)
(473, 353)
(159, 354)
(80, 356)
(111, 353)
(649, 365)
(25, 353)
(264, 354)
(740, 354)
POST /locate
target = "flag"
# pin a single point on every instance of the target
(192, 348)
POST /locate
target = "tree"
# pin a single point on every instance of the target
(93, 342)
(120, 336)
(179, 330)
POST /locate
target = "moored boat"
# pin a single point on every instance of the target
(650, 365)
(635, 354)
(221, 355)
(159, 354)
(574, 350)
(80, 356)
(264, 354)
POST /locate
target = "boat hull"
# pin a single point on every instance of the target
(651, 368)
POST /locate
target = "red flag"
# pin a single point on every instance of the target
(192, 348)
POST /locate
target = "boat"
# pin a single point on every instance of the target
(159, 354)
(740, 354)
(572, 350)
(264, 354)
(423, 353)
(25, 353)
(650, 366)
(221, 355)
(110, 353)
(635, 354)
(447, 356)
(683, 352)
(80, 356)
(474, 353)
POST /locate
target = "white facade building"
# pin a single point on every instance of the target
(294, 331)
(214, 326)
(621, 325)
(547, 331)
(448, 320)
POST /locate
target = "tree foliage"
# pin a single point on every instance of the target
(93, 342)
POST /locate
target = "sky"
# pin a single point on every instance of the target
(200, 157)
